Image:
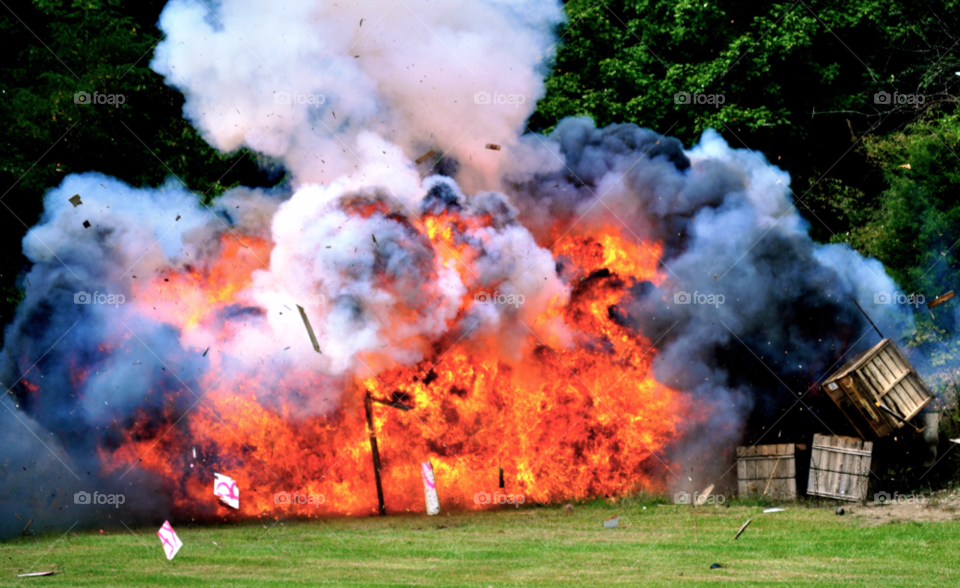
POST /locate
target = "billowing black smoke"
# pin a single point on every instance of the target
(752, 313)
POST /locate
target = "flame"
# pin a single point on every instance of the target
(563, 421)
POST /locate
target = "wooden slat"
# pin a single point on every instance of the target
(839, 467)
(767, 467)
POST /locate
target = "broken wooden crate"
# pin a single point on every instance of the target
(767, 470)
(878, 390)
(839, 467)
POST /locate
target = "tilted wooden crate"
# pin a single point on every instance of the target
(875, 383)
(839, 467)
(767, 470)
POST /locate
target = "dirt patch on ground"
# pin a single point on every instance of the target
(936, 508)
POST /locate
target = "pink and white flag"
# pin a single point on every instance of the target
(430, 488)
(171, 543)
(225, 488)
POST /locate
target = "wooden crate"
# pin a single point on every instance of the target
(839, 467)
(767, 470)
(880, 375)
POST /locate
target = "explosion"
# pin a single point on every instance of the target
(521, 302)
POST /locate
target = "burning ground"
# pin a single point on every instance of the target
(523, 301)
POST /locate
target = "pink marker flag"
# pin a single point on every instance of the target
(225, 488)
(430, 488)
(168, 537)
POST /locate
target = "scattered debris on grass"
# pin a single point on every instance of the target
(612, 522)
(742, 529)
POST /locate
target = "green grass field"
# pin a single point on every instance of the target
(653, 546)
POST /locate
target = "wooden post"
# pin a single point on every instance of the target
(368, 407)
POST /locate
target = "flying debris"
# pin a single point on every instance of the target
(75, 200)
(940, 299)
(493, 147)
(168, 538)
(306, 323)
(225, 488)
(86, 224)
(425, 157)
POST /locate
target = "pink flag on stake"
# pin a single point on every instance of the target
(171, 543)
(225, 488)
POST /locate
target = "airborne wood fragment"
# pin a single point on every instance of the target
(75, 200)
(742, 529)
(306, 323)
(493, 147)
(940, 299)
(425, 157)
(702, 498)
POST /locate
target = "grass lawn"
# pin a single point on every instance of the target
(654, 546)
